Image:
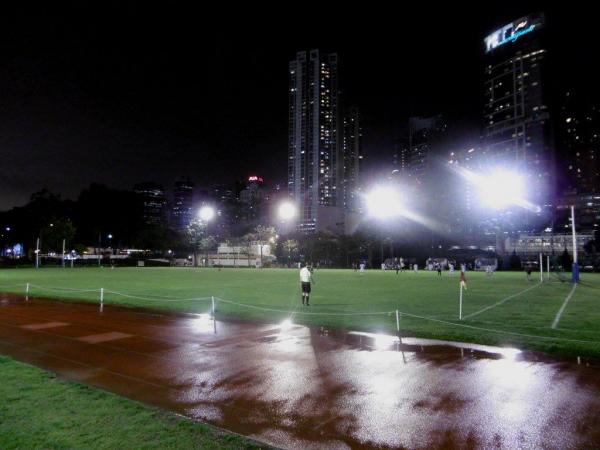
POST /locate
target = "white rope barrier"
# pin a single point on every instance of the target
(62, 289)
(307, 313)
(554, 338)
(11, 285)
(245, 305)
(172, 299)
(461, 325)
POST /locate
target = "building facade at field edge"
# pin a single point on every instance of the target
(579, 131)
(517, 131)
(183, 199)
(152, 196)
(314, 145)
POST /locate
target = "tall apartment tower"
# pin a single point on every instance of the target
(517, 129)
(183, 197)
(314, 146)
(353, 159)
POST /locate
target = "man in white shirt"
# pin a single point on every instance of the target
(305, 282)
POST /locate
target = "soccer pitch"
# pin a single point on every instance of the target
(502, 309)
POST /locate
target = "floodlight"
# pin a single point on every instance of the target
(501, 189)
(287, 211)
(384, 202)
(206, 213)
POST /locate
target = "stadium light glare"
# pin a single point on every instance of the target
(384, 202)
(501, 189)
(287, 211)
(206, 213)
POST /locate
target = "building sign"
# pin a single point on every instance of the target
(255, 179)
(511, 32)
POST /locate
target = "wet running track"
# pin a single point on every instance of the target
(307, 388)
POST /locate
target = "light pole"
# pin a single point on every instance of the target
(206, 214)
(37, 253)
(575, 268)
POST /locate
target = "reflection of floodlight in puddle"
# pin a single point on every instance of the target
(383, 341)
(286, 325)
(510, 353)
(384, 202)
(287, 211)
(206, 213)
(501, 189)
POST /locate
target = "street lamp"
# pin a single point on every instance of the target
(206, 214)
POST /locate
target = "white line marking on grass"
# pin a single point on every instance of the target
(562, 308)
(476, 313)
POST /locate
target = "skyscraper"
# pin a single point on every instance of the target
(353, 158)
(152, 196)
(579, 132)
(517, 129)
(419, 147)
(183, 197)
(314, 167)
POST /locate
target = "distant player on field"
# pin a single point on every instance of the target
(439, 269)
(306, 280)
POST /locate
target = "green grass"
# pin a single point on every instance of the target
(346, 291)
(40, 411)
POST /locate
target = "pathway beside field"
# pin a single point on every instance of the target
(311, 388)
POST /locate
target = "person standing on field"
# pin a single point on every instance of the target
(305, 284)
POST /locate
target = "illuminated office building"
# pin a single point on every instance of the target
(517, 129)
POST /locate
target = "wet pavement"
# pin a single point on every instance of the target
(299, 387)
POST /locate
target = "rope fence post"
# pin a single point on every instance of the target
(398, 326)
(212, 298)
(101, 299)
(460, 303)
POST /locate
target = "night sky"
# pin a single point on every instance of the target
(125, 94)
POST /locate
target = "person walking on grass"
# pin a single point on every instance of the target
(306, 280)
(439, 269)
(528, 273)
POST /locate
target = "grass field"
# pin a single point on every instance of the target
(41, 411)
(503, 309)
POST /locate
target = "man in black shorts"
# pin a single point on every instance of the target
(305, 282)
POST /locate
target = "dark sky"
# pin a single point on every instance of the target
(120, 95)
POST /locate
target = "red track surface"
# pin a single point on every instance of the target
(301, 388)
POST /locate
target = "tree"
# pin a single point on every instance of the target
(55, 232)
(264, 234)
(515, 261)
(196, 231)
(247, 240)
(207, 243)
(290, 247)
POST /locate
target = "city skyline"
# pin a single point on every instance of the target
(63, 130)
